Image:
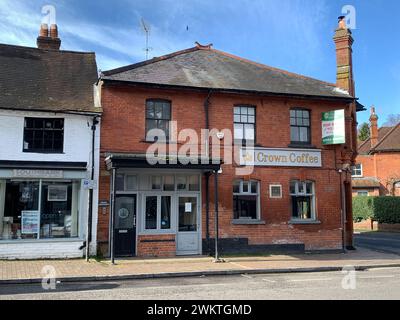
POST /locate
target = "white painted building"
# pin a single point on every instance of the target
(49, 132)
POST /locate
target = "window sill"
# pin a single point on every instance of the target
(304, 222)
(302, 146)
(247, 222)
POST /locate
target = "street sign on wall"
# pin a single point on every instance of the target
(333, 127)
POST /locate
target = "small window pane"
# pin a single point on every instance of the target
(245, 187)
(252, 119)
(243, 119)
(251, 111)
(306, 114)
(151, 213)
(249, 132)
(303, 134)
(120, 182)
(309, 187)
(301, 188)
(131, 183)
(156, 183)
(253, 185)
(181, 182)
(238, 131)
(237, 110)
(237, 118)
(166, 212)
(293, 113)
(194, 184)
(169, 183)
(236, 186)
(294, 134)
(293, 187)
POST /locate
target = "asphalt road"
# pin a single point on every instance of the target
(373, 284)
(379, 241)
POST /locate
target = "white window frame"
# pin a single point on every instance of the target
(242, 193)
(361, 193)
(275, 186)
(360, 169)
(244, 123)
(304, 194)
(158, 230)
(126, 191)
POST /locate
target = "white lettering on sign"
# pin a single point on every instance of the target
(280, 157)
(27, 173)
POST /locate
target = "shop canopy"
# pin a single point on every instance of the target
(123, 160)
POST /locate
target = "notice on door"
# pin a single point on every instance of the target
(188, 207)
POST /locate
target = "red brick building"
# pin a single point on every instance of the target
(298, 197)
(377, 169)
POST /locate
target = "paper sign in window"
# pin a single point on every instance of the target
(188, 207)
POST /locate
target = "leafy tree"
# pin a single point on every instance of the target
(392, 120)
(363, 132)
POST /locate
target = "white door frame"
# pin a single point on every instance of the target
(198, 221)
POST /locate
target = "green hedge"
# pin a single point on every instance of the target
(381, 209)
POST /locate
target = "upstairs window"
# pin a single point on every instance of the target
(303, 200)
(158, 116)
(357, 171)
(244, 124)
(300, 132)
(246, 199)
(44, 135)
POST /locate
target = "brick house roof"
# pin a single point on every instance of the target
(50, 80)
(388, 141)
(205, 67)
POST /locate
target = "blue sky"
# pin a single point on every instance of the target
(295, 35)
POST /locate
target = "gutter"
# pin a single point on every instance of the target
(222, 90)
(81, 113)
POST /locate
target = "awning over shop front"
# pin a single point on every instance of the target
(123, 160)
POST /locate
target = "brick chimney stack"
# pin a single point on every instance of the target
(344, 52)
(48, 39)
(373, 119)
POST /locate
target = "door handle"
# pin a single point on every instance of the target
(134, 221)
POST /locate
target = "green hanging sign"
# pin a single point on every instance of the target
(333, 127)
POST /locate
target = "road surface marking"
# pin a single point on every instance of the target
(240, 265)
(267, 280)
(375, 277)
(306, 280)
(247, 276)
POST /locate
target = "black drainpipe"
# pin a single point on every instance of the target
(206, 109)
(90, 210)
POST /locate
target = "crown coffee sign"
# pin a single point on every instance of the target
(264, 157)
(333, 127)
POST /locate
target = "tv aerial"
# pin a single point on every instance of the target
(146, 29)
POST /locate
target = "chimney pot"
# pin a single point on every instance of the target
(44, 30)
(53, 31)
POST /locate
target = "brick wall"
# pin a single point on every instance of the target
(156, 245)
(123, 130)
(385, 167)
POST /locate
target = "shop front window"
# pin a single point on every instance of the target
(245, 200)
(303, 200)
(39, 210)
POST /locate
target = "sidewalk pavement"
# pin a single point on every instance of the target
(16, 272)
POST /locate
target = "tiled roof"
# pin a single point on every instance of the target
(204, 67)
(50, 80)
(388, 140)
